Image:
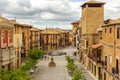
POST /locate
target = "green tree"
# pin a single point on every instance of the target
(13, 75)
(19, 75)
(68, 58)
(36, 54)
(29, 64)
(78, 75)
(4, 75)
(71, 67)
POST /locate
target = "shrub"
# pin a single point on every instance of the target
(78, 75)
(36, 54)
(68, 59)
(71, 66)
(29, 64)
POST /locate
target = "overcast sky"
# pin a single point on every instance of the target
(52, 13)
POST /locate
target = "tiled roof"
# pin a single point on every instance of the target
(61, 30)
(35, 29)
(112, 22)
(52, 31)
(23, 25)
(5, 19)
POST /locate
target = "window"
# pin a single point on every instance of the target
(110, 30)
(106, 61)
(2, 41)
(118, 33)
(104, 76)
(117, 66)
(110, 59)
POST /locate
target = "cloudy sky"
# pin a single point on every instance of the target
(51, 13)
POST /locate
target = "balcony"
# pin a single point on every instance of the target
(103, 64)
(4, 45)
(36, 34)
(98, 60)
(115, 72)
(10, 44)
(7, 55)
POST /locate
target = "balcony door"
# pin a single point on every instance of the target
(106, 61)
(117, 66)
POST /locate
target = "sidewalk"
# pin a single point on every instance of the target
(88, 75)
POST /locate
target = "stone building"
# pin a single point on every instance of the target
(110, 51)
(90, 47)
(34, 38)
(64, 35)
(7, 51)
(75, 28)
(24, 29)
(17, 42)
(54, 38)
(70, 38)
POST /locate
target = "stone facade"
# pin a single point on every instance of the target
(54, 38)
(24, 31)
(75, 26)
(99, 42)
(90, 48)
(110, 51)
(34, 38)
(7, 51)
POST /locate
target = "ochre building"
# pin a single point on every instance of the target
(54, 38)
(7, 51)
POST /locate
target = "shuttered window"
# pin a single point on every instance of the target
(118, 33)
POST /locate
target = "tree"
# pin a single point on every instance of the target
(71, 67)
(4, 75)
(19, 75)
(68, 59)
(78, 75)
(29, 64)
(36, 54)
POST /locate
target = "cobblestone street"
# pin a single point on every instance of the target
(43, 72)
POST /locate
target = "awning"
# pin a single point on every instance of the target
(97, 45)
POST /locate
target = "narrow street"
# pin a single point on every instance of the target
(43, 72)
